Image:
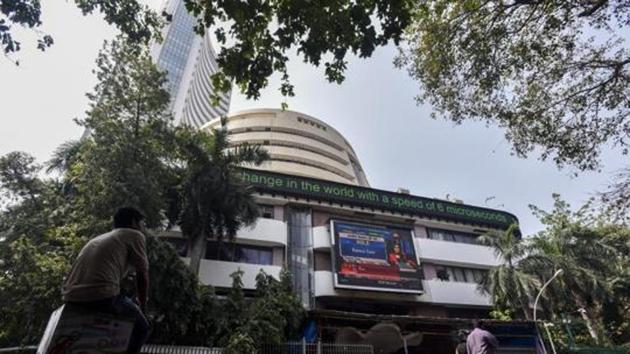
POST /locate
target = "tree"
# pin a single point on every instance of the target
(261, 33)
(132, 156)
(34, 248)
(593, 255)
(30, 279)
(127, 157)
(507, 284)
(593, 287)
(137, 22)
(28, 205)
(214, 200)
(255, 36)
(271, 318)
(554, 74)
(125, 160)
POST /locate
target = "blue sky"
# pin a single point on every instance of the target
(398, 143)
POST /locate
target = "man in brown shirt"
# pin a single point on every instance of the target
(95, 278)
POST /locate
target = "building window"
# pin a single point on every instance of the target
(460, 274)
(452, 236)
(233, 252)
(266, 211)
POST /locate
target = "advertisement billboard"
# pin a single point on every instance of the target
(373, 257)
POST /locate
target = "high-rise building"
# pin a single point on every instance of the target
(189, 60)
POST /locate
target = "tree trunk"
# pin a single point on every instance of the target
(587, 318)
(197, 251)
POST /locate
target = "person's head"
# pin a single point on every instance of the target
(478, 324)
(396, 248)
(462, 334)
(129, 217)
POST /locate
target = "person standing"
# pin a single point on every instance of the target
(480, 341)
(94, 282)
(460, 348)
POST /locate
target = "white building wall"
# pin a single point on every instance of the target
(455, 254)
(321, 238)
(454, 293)
(265, 232)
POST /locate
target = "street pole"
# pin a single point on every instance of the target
(558, 272)
(553, 347)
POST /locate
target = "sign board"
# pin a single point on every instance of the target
(371, 257)
(304, 187)
(70, 330)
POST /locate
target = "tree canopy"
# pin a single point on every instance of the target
(554, 74)
(132, 154)
(133, 19)
(592, 289)
(255, 37)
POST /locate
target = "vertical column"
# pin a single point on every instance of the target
(300, 252)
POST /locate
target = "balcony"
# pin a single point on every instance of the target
(321, 237)
(456, 254)
(454, 293)
(217, 273)
(265, 232)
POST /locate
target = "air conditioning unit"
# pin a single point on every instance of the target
(402, 190)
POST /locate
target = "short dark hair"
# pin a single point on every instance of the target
(477, 324)
(126, 216)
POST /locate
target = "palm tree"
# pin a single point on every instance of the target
(507, 283)
(215, 201)
(585, 259)
(64, 155)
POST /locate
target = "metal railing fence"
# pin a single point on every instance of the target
(288, 348)
(316, 348)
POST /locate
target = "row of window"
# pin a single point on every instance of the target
(229, 252)
(266, 211)
(233, 252)
(308, 121)
(459, 274)
(452, 236)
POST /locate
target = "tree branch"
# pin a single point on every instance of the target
(598, 5)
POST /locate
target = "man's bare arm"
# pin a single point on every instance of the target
(142, 282)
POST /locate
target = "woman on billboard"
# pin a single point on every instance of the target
(397, 257)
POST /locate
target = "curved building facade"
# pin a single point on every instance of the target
(298, 144)
(198, 108)
(189, 62)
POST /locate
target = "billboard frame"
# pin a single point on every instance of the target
(334, 256)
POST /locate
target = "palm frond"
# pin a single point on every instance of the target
(63, 155)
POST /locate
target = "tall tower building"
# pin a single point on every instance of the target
(189, 61)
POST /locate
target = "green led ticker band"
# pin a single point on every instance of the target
(373, 198)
